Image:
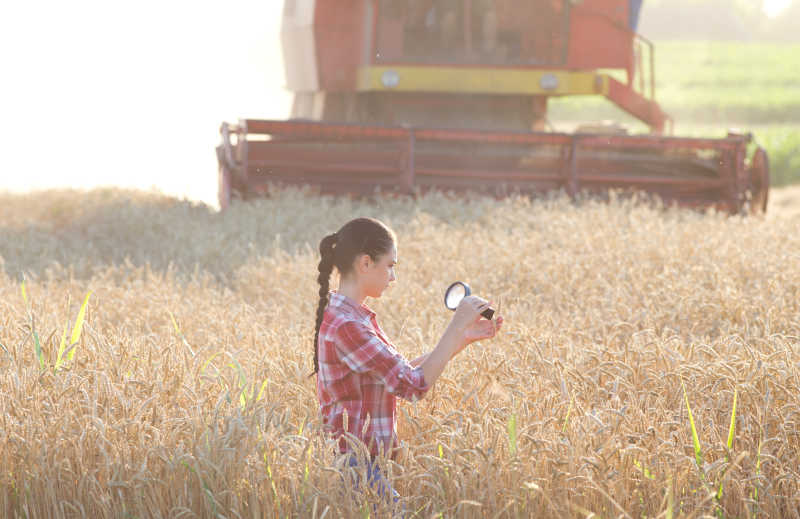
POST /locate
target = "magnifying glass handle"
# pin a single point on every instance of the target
(488, 313)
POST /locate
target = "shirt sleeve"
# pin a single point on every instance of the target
(363, 351)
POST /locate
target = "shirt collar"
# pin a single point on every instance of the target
(348, 304)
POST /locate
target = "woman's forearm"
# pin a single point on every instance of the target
(419, 360)
(434, 362)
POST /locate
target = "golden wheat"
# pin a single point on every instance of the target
(576, 408)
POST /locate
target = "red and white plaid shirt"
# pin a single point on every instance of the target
(360, 372)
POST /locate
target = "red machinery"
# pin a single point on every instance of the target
(414, 94)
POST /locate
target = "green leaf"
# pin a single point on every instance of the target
(644, 470)
(205, 365)
(733, 421)
(180, 333)
(512, 434)
(76, 331)
(242, 382)
(61, 346)
(698, 455)
(261, 391)
(271, 480)
(441, 456)
(174, 323)
(569, 410)
(730, 442)
(242, 377)
(37, 347)
(24, 292)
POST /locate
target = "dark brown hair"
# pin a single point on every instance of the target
(340, 249)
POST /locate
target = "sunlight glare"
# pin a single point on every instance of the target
(133, 95)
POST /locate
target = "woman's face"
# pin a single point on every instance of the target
(379, 274)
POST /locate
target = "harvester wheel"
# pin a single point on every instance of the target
(759, 180)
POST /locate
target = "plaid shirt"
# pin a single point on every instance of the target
(361, 373)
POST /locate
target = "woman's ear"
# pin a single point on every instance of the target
(363, 263)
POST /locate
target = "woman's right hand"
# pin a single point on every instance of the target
(468, 312)
(470, 326)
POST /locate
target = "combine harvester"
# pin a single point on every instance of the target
(408, 95)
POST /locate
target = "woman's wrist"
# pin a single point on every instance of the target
(458, 337)
(450, 344)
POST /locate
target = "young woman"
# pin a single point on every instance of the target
(359, 371)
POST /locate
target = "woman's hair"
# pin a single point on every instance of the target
(340, 249)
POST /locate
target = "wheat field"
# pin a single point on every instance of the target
(633, 334)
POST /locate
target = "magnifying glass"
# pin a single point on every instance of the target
(458, 291)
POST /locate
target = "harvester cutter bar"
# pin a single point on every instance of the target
(352, 158)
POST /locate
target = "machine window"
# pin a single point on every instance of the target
(489, 32)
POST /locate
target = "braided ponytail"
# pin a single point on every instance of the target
(326, 250)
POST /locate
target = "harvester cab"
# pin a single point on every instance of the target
(409, 95)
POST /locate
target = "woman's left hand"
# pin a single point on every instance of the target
(481, 329)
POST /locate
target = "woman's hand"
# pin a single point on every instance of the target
(467, 326)
(483, 329)
(471, 325)
(468, 312)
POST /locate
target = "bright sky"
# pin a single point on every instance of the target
(774, 7)
(132, 93)
(102, 92)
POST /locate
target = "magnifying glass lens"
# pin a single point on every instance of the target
(454, 295)
(458, 291)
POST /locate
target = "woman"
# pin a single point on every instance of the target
(359, 372)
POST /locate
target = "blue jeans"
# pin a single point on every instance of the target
(375, 479)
